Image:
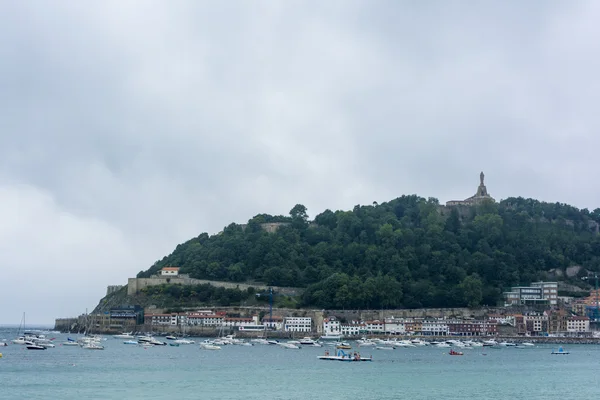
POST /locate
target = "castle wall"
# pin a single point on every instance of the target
(134, 285)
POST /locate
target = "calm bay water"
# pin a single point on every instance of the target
(238, 372)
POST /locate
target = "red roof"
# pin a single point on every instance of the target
(170, 269)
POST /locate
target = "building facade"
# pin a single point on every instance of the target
(298, 324)
(169, 271)
(536, 293)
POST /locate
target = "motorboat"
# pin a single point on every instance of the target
(171, 337)
(93, 346)
(20, 340)
(342, 356)
(455, 353)
(330, 336)
(364, 342)
(506, 344)
(343, 346)
(208, 346)
(127, 336)
(385, 348)
(184, 341)
(442, 344)
(259, 341)
(307, 341)
(151, 340)
(130, 342)
(527, 344)
(289, 345)
(34, 346)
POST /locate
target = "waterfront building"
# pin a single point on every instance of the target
(502, 319)
(126, 315)
(331, 326)
(557, 321)
(273, 323)
(578, 325)
(205, 320)
(435, 327)
(535, 324)
(161, 319)
(413, 326)
(298, 324)
(237, 322)
(352, 329)
(394, 326)
(375, 326)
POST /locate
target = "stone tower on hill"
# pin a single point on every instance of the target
(479, 197)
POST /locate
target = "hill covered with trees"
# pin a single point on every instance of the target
(406, 253)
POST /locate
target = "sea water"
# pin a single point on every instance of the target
(271, 372)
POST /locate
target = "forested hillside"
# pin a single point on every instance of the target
(409, 252)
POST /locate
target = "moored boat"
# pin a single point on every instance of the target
(341, 356)
(35, 347)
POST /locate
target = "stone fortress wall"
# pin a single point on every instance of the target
(134, 285)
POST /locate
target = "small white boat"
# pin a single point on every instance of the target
(331, 337)
(385, 347)
(208, 346)
(184, 341)
(127, 336)
(307, 341)
(289, 345)
(19, 340)
(171, 337)
(151, 340)
(93, 346)
(130, 342)
(527, 344)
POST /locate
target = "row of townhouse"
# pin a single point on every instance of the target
(400, 326)
(552, 322)
(210, 319)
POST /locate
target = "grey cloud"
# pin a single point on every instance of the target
(128, 127)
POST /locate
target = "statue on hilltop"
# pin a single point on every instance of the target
(481, 176)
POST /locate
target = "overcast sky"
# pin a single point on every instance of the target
(127, 127)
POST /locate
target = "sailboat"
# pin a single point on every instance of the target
(21, 339)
